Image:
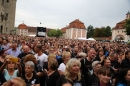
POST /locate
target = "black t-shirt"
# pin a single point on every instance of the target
(34, 80)
(125, 63)
(52, 79)
(62, 79)
(93, 80)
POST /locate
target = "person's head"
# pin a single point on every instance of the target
(66, 56)
(104, 75)
(114, 56)
(107, 63)
(10, 64)
(96, 66)
(14, 45)
(3, 53)
(15, 82)
(51, 55)
(26, 49)
(124, 76)
(30, 57)
(66, 83)
(72, 68)
(101, 51)
(127, 54)
(51, 50)
(52, 64)
(76, 48)
(82, 55)
(29, 67)
(38, 48)
(4, 41)
(92, 53)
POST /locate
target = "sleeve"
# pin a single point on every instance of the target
(45, 59)
(61, 68)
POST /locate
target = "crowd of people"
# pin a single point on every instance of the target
(38, 61)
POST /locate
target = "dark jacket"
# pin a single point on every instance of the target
(125, 63)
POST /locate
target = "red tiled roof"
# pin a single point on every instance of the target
(64, 29)
(74, 24)
(77, 24)
(22, 26)
(120, 25)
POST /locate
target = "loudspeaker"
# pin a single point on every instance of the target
(41, 31)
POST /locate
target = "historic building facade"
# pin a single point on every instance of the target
(7, 16)
(76, 29)
(118, 32)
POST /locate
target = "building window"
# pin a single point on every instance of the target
(6, 28)
(7, 1)
(3, 2)
(6, 16)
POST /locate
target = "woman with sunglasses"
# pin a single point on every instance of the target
(8, 68)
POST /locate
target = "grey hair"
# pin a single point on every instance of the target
(30, 63)
(95, 63)
(82, 54)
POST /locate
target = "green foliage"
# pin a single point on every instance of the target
(108, 31)
(55, 33)
(102, 32)
(127, 27)
(90, 32)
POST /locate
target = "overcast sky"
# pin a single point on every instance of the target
(59, 13)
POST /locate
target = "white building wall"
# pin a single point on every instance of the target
(117, 32)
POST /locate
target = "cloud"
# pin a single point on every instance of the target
(59, 13)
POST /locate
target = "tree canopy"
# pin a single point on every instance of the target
(55, 33)
(127, 27)
(102, 32)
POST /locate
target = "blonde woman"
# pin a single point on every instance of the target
(8, 68)
(72, 74)
(65, 57)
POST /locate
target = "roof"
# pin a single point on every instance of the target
(22, 26)
(64, 29)
(120, 25)
(74, 24)
(77, 24)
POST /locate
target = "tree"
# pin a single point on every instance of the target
(55, 33)
(90, 31)
(108, 31)
(97, 32)
(127, 27)
(102, 32)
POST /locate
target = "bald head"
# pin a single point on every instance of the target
(26, 49)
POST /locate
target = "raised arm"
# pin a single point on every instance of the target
(3, 66)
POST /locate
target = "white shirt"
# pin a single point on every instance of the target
(62, 67)
(42, 59)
